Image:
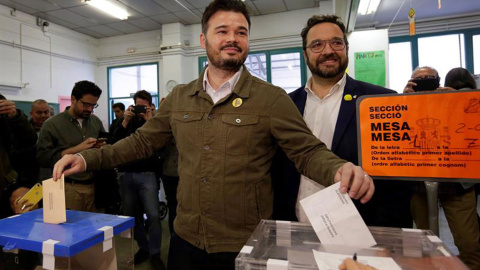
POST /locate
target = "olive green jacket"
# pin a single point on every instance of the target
(15, 134)
(225, 153)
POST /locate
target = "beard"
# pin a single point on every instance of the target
(232, 64)
(328, 73)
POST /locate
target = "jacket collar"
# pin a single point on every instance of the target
(347, 111)
(347, 108)
(241, 89)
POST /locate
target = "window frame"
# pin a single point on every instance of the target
(268, 55)
(468, 41)
(110, 102)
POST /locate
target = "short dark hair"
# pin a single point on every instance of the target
(223, 5)
(318, 19)
(143, 95)
(2, 97)
(82, 88)
(459, 78)
(119, 105)
(39, 101)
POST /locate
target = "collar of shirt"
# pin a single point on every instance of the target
(224, 90)
(339, 86)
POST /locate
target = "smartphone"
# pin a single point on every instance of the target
(140, 109)
(428, 84)
(34, 195)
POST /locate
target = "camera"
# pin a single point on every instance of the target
(139, 109)
(427, 84)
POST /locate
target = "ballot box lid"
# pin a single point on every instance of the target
(81, 231)
(283, 243)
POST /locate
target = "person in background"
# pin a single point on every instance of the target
(227, 125)
(16, 136)
(328, 105)
(460, 79)
(52, 110)
(458, 200)
(139, 186)
(70, 132)
(39, 112)
(119, 110)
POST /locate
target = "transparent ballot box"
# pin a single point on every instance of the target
(282, 245)
(86, 241)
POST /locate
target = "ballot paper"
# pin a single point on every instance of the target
(330, 261)
(335, 219)
(54, 210)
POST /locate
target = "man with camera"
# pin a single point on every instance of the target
(457, 199)
(138, 184)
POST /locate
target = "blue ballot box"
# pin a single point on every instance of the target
(85, 236)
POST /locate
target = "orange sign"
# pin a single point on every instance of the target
(427, 135)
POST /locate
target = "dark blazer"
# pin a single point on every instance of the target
(388, 197)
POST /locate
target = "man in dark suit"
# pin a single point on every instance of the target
(328, 105)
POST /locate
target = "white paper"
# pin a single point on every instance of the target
(107, 237)
(330, 261)
(48, 248)
(274, 264)
(336, 220)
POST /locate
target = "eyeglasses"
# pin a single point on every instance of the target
(88, 105)
(336, 44)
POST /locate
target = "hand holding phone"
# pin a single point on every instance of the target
(31, 198)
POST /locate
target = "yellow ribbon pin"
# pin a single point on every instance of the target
(348, 97)
(237, 102)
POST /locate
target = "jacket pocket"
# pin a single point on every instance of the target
(238, 130)
(186, 127)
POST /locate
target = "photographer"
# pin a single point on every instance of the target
(139, 186)
(17, 138)
(16, 135)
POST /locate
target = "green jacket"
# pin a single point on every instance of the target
(63, 131)
(15, 134)
(225, 153)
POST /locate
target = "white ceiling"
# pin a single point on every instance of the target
(424, 10)
(146, 15)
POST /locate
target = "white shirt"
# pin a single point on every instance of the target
(321, 116)
(224, 90)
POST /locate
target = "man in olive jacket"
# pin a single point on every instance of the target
(227, 125)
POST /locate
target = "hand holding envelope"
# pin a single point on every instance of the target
(335, 219)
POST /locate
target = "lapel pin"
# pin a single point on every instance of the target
(237, 102)
(347, 97)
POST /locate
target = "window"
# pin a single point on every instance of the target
(287, 71)
(399, 65)
(283, 68)
(476, 54)
(442, 53)
(124, 81)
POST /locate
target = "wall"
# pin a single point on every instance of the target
(75, 56)
(364, 41)
(50, 62)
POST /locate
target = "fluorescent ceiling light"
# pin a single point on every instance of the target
(368, 6)
(110, 8)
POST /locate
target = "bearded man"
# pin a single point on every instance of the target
(328, 105)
